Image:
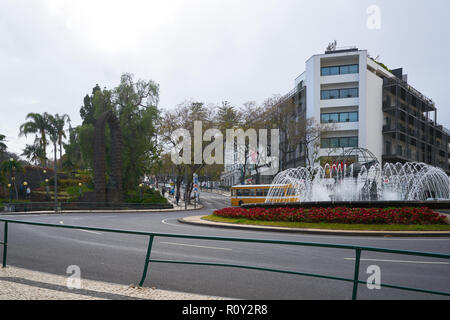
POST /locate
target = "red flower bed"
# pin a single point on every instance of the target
(406, 216)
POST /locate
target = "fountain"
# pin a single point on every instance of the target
(363, 181)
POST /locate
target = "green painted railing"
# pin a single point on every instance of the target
(357, 249)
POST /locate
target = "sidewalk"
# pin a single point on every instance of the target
(22, 284)
(217, 191)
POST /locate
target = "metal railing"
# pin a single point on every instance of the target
(357, 249)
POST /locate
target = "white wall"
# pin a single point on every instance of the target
(374, 119)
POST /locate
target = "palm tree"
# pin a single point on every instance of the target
(2, 143)
(33, 152)
(53, 132)
(39, 123)
(59, 123)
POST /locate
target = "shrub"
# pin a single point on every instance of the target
(405, 216)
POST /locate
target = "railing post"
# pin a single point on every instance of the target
(356, 275)
(147, 258)
(5, 244)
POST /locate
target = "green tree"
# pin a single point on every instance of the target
(2, 143)
(87, 110)
(33, 152)
(8, 172)
(37, 124)
(59, 124)
(135, 104)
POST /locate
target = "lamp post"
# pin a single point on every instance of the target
(10, 192)
(25, 184)
(80, 188)
(140, 191)
(11, 163)
(47, 187)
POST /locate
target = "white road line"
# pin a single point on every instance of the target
(399, 261)
(88, 231)
(191, 245)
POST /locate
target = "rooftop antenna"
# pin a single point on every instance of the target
(332, 46)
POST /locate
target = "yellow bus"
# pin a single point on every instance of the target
(252, 194)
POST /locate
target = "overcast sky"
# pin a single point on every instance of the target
(52, 52)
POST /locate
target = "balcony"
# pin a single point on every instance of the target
(346, 102)
(342, 78)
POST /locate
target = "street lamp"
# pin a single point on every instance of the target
(25, 184)
(40, 179)
(140, 190)
(47, 187)
(10, 192)
(13, 184)
(80, 189)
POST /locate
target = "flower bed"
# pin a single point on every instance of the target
(405, 216)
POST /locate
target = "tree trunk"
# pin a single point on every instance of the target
(56, 179)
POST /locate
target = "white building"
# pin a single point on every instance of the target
(372, 108)
(369, 107)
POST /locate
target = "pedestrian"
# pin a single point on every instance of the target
(28, 193)
(177, 198)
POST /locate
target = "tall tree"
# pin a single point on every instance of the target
(2, 143)
(183, 117)
(33, 152)
(59, 124)
(87, 111)
(37, 124)
(135, 104)
(53, 132)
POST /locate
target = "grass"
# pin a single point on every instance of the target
(331, 226)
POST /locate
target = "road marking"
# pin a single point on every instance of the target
(191, 245)
(88, 231)
(399, 261)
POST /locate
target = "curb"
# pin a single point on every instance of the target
(197, 220)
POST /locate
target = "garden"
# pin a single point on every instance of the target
(343, 218)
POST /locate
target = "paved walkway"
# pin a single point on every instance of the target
(22, 284)
(197, 220)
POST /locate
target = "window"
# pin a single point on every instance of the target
(336, 70)
(325, 118)
(348, 93)
(343, 142)
(353, 142)
(339, 94)
(339, 117)
(329, 94)
(353, 116)
(344, 117)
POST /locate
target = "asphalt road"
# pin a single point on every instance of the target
(120, 258)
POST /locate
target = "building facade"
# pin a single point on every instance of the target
(368, 106)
